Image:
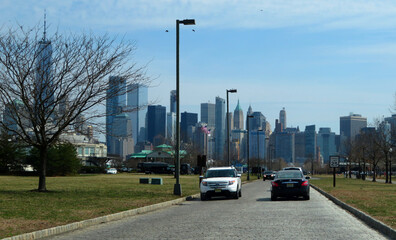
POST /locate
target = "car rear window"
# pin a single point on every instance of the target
(220, 173)
(289, 174)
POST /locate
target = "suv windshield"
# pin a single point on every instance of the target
(220, 173)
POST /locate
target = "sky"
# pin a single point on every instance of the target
(318, 59)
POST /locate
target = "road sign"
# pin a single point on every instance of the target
(334, 161)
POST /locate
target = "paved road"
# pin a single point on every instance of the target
(254, 216)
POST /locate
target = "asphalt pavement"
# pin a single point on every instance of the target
(254, 216)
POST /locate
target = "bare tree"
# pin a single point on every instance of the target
(45, 85)
(383, 142)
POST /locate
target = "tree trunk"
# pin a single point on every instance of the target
(386, 168)
(43, 170)
(374, 173)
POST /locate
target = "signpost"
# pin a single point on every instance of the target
(334, 163)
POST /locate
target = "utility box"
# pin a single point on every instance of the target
(144, 180)
(156, 181)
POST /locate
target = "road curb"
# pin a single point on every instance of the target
(373, 223)
(95, 221)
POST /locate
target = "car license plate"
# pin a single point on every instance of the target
(217, 190)
(289, 185)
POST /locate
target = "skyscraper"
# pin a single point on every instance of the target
(310, 142)
(187, 120)
(137, 100)
(282, 118)
(350, 125)
(238, 117)
(285, 146)
(122, 142)
(171, 126)
(326, 143)
(114, 106)
(44, 95)
(155, 124)
(173, 101)
(220, 128)
(208, 114)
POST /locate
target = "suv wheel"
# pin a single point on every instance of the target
(306, 197)
(236, 194)
(203, 197)
(240, 193)
(273, 197)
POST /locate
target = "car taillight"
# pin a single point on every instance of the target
(231, 182)
(275, 184)
(204, 183)
(305, 183)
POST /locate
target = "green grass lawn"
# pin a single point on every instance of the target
(76, 198)
(72, 199)
(374, 198)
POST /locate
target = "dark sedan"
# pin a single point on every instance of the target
(268, 175)
(290, 183)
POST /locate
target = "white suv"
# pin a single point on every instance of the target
(224, 181)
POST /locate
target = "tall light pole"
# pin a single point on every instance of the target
(390, 165)
(228, 126)
(177, 187)
(258, 153)
(248, 136)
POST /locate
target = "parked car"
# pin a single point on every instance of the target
(155, 167)
(290, 183)
(186, 169)
(268, 175)
(221, 181)
(111, 171)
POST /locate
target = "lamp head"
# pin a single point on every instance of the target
(188, 22)
(232, 90)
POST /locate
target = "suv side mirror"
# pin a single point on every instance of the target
(239, 175)
(307, 177)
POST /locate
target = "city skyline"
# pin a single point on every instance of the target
(320, 61)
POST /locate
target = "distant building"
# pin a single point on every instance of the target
(187, 120)
(327, 143)
(310, 142)
(208, 114)
(137, 100)
(238, 118)
(282, 118)
(299, 145)
(249, 121)
(200, 137)
(284, 146)
(89, 151)
(114, 104)
(350, 125)
(156, 124)
(171, 126)
(257, 145)
(258, 122)
(122, 142)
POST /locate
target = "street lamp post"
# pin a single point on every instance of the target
(258, 153)
(248, 136)
(390, 165)
(177, 187)
(228, 126)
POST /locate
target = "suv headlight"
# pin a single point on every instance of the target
(204, 183)
(231, 182)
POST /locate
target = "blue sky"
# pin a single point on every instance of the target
(318, 59)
